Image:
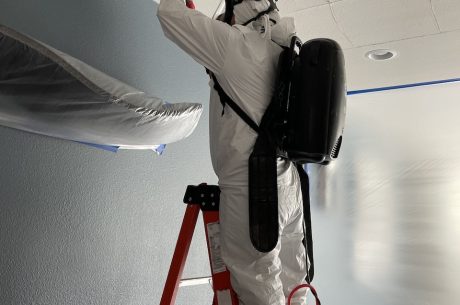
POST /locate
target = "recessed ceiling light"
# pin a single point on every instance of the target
(381, 54)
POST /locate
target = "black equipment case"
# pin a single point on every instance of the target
(312, 94)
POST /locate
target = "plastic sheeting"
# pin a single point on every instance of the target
(45, 91)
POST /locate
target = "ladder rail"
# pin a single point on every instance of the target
(180, 255)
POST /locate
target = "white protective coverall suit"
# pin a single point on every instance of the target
(244, 61)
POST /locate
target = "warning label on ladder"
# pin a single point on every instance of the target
(217, 263)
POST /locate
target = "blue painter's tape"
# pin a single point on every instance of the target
(160, 149)
(437, 82)
(104, 147)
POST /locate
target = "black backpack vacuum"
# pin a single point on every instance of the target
(307, 113)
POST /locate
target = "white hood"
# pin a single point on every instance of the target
(270, 26)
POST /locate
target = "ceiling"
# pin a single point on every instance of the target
(425, 35)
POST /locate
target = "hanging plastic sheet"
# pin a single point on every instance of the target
(45, 91)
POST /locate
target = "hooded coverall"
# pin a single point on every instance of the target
(244, 64)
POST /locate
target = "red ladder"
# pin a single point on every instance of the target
(205, 198)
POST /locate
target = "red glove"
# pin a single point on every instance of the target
(190, 4)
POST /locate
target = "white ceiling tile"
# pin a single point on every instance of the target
(419, 59)
(318, 22)
(447, 13)
(289, 6)
(366, 22)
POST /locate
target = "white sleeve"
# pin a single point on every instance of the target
(203, 38)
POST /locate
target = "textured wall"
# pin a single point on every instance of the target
(85, 226)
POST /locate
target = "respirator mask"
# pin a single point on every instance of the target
(261, 16)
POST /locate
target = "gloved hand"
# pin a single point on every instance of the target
(190, 4)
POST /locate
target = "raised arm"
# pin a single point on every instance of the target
(203, 38)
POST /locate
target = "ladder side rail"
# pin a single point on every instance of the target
(180, 255)
(221, 284)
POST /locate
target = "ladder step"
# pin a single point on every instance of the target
(195, 281)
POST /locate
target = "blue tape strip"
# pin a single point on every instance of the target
(161, 148)
(444, 81)
(104, 147)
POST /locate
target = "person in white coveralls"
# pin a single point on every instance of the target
(244, 61)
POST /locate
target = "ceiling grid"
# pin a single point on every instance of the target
(435, 17)
(447, 13)
(337, 24)
(369, 22)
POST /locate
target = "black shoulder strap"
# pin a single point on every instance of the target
(263, 191)
(308, 236)
(225, 99)
(263, 196)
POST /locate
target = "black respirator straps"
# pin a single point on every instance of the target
(258, 16)
(271, 8)
(230, 4)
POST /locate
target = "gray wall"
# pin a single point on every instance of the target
(80, 225)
